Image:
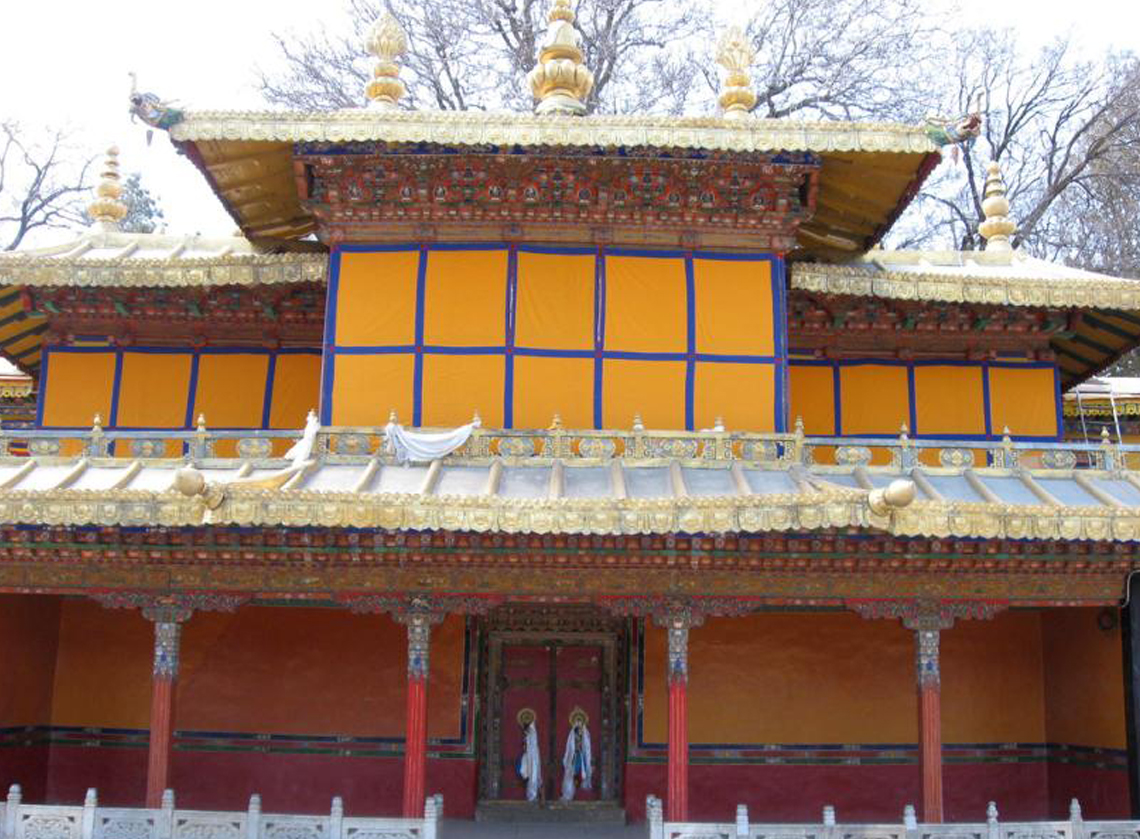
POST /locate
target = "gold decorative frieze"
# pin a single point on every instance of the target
(127, 272)
(476, 128)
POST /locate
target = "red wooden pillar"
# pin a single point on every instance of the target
(419, 622)
(929, 721)
(677, 623)
(164, 681)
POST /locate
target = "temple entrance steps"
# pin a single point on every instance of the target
(456, 829)
(594, 813)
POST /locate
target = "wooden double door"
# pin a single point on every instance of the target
(550, 678)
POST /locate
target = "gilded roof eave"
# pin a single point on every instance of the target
(478, 128)
(985, 285)
(277, 498)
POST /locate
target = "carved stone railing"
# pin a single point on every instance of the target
(908, 828)
(90, 821)
(353, 443)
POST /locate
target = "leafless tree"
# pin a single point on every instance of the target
(41, 186)
(847, 59)
(475, 54)
(1056, 124)
(815, 58)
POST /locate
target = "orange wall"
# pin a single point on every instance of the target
(154, 388)
(836, 678)
(261, 670)
(28, 630)
(875, 398)
(1084, 679)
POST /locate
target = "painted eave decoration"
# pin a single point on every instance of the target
(1105, 311)
(868, 172)
(101, 258)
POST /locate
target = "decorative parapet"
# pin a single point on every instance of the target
(91, 821)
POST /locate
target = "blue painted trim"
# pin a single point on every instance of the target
(44, 379)
(418, 366)
(192, 391)
(690, 341)
(911, 399)
(116, 387)
(392, 350)
(1057, 402)
(650, 254)
(554, 249)
(509, 329)
(404, 247)
(987, 408)
(778, 274)
(717, 256)
(328, 359)
(837, 397)
(599, 334)
(267, 400)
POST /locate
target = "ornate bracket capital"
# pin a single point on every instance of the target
(168, 613)
(396, 604)
(698, 608)
(927, 618)
(926, 613)
(170, 608)
(418, 614)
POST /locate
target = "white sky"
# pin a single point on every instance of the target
(66, 61)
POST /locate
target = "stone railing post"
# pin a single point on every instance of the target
(12, 810)
(742, 821)
(431, 818)
(336, 818)
(654, 818)
(87, 824)
(253, 817)
(164, 821)
(993, 829)
(1076, 820)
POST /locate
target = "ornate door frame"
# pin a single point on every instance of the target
(571, 626)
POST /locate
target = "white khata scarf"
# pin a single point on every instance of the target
(530, 764)
(577, 762)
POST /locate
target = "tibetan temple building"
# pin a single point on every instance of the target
(635, 459)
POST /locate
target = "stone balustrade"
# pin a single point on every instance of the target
(91, 821)
(907, 828)
(638, 443)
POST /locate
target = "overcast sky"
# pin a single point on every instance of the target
(66, 62)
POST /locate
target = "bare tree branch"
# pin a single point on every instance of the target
(41, 186)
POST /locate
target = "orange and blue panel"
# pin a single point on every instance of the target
(145, 388)
(519, 333)
(936, 399)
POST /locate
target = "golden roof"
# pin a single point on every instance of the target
(869, 171)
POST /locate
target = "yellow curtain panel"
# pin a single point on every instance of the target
(519, 334)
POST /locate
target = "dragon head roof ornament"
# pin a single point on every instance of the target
(152, 110)
(735, 54)
(106, 209)
(561, 81)
(997, 226)
(386, 40)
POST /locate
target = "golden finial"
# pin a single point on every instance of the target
(998, 226)
(386, 40)
(735, 54)
(556, 423)
(106, 210)
(561, 81)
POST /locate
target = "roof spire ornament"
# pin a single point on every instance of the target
(385, 40)
(107, 210)
(561, 81)
(735, 54)
(997, 226)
